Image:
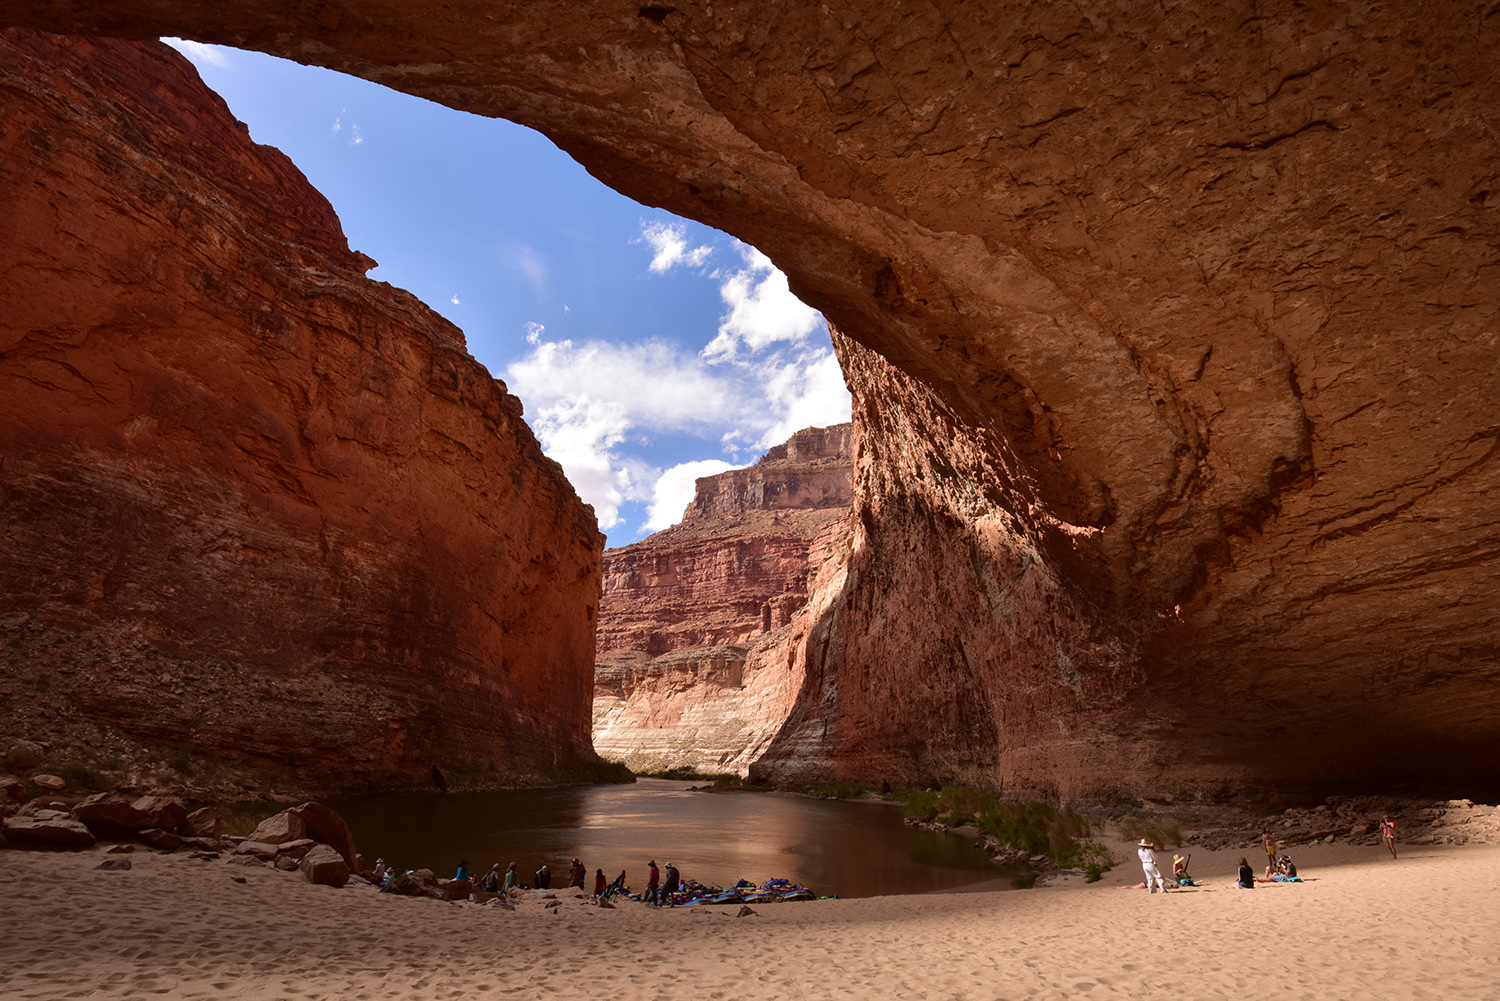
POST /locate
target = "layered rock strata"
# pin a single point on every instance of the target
(695, 620)
(1196, 305)
(256, 507)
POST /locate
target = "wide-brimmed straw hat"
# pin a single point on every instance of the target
(1143, 843)
(1176, 858)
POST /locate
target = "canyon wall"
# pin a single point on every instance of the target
(264, 520)
(696, 622)
(1173, 330)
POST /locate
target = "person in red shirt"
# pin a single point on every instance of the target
(599, 886)
(653, 880)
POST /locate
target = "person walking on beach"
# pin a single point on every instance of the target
(1268, 841)
(1388, 834)
(1147, 852)
(653, 880)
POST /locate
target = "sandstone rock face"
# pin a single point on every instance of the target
(1172, 329)
(253, 502)
(690, 615)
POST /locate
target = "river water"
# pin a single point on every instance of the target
(836, 848)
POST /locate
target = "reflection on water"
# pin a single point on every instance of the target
(848, 849)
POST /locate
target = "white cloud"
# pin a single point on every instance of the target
(675, 488)
(593, 403)
(454, 300)
(807, 393)
(669, 241)
(201, 54)
(762, 309)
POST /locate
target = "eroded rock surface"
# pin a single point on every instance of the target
(1188, 317)
(692, 617)
(254, 503)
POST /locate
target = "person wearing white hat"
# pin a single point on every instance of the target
(1147, 852)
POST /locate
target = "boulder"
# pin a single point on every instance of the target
(203, 844)
(286, 863)
(205, 822)
(47, 832)
(324, 866)
(246, 860)
(114, 864)
(456, 889)
(284, 826)
(109, 815)
(165, 812)
(12, 790)
(119, 849)
(482, 896)
(158, 838)
(418, 883)
(43, 807)
(257, 849)
(323, 824)
(46, 781)
(295, 850)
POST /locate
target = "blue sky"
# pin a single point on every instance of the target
(647, 349)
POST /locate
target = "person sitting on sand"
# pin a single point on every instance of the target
(463, 869)
(1180, 873)
(1246, 878)
(1388, 834)
(1286, 871)
(491, 881)
(379, 871)
(511, 877)
(599, 886)
(1147, 853)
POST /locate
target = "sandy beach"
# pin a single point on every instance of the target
(1362, 927)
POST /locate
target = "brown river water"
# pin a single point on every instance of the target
(843, 849)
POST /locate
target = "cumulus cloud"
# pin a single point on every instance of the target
(595, 404)
(675, 488)
(669, 243)
(762, 309)
(454, 300)
(201, 54)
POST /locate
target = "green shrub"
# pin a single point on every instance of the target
(20, 759)
(1164, 833)
(1094, 871)
(840, 790)
(1036, 828)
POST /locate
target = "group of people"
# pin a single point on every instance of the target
(1279, 868)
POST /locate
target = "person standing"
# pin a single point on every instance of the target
(1268, 842)
(599, 886)
(512, 876)
(1388, 834)
(669, 888)
(576, 873)
(653, 880)
(1147, 851)
(543, 878)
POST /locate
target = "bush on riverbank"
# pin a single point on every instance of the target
(1036, 828)
(841, 790)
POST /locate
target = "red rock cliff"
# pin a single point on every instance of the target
(253, 503)
(691, 616)
(1190, 309)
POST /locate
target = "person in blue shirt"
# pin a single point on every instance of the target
(463, 869)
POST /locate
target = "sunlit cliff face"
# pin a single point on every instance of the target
(1170, 334)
